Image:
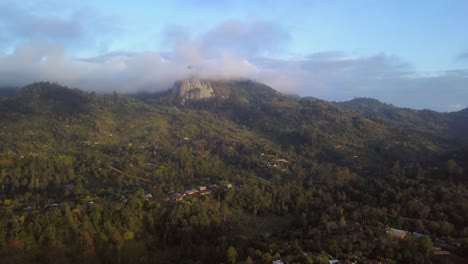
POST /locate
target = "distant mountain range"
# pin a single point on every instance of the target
(8, 91)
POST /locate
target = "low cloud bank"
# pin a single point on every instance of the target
(44, 49)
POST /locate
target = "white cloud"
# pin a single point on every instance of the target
(82, 26)
(456, 107)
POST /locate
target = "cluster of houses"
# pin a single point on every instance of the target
(200, 191)
(272, 162)
(29, 208)
(175, 197)
(88, 143)
(401, 234)
(439, 243)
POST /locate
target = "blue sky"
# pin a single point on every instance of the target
(408, 53)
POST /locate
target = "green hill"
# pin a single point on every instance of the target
(88, 178)
(362, 134)
(335, 132)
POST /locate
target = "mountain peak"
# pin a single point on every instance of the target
(57, 98)
(464, 111)
(193, 89)
(365, 103)
(242, 90)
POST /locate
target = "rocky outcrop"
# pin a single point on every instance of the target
(193, 89)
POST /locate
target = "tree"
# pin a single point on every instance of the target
(129, 235)
(231, 255)
(266, 258)
(396, 169)
(446, 228)
(342, 222)
(425, 246)
(453, 169)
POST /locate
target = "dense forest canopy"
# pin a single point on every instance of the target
(245, 175)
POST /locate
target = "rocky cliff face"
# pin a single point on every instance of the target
(193, 90)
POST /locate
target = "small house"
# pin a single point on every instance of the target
(177, 197)
(190, 192)
(396, 233)
(27, 208)
(148, 196)
(456, 243)
(53, 205)
(202, 188)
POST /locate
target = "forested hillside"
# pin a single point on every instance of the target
(244, 174)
